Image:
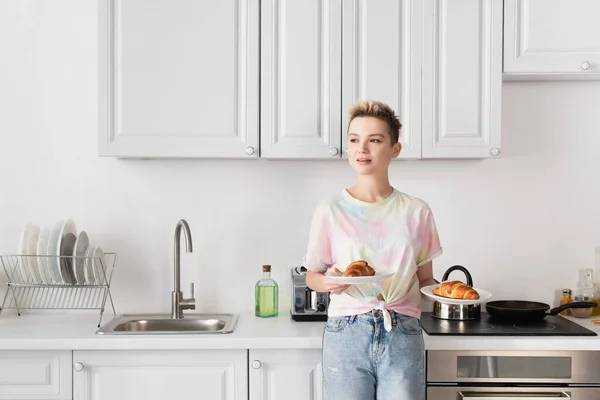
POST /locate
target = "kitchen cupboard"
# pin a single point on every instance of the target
(178, 79)
(300, 79)
(382, 61)
(289, 374)
(39, 375)
(462, 78)
(551, 39)
(193, 91)
(160, 374)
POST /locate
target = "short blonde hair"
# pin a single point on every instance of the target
(379, 110)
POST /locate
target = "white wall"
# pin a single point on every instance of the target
(522, 224)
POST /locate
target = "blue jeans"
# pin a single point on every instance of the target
(362, 361)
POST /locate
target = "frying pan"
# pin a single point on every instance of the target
(527, 311)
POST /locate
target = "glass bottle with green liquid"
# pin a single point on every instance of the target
(266, 294)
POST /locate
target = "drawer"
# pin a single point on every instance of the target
(36, 375)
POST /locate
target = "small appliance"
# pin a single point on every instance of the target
(307, 305)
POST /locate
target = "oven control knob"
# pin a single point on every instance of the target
(321, 307)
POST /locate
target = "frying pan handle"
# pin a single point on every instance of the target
(460, 268)
(578, 304)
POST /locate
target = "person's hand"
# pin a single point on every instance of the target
(333, 286)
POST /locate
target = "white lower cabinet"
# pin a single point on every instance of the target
(35, 375)
(160, 374)
(286, 374)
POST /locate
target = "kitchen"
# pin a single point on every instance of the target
(523, 223)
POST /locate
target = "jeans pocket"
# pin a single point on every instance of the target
(336, 324)
(408, 325)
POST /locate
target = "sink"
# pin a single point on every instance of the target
(163, 324)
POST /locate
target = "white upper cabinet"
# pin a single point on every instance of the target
(462, 78)
(300, 79)
(382, 61)
(200, 78)
(178, 78)
(551, 39)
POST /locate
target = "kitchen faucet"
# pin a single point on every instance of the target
(178, 303)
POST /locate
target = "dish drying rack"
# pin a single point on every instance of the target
(47, 290)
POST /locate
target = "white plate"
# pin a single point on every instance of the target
(88, 268)
(67, 227)
(42, 248)
(81, 245)
(99, 266)
(53, 264)
(67, 246)
(24, 250)
(484, 295)
(32, 263)
(358, 280)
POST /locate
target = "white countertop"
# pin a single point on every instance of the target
(76, 331)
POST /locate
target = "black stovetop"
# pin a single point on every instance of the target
(552, 325)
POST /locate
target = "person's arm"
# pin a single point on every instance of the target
(425, 276)
(317, 281)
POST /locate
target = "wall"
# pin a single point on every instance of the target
(522, 224)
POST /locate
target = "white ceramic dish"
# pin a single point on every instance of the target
(88, 267)
(484, 296)
(32, 260)
(67, 246)
(99, 266)
(51, 250)
(42, 247)
(27, 247)
(358, 280)
(81, 245)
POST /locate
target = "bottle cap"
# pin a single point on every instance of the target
(567, 292)
(266, 268)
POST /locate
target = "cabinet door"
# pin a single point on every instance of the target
(300, 79)
(35, 375)
(462, 78)
(286, 374)
(551, 39)
(178, 78)
(160, 374)
(382, 62)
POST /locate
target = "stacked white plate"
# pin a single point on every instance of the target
(79, 263)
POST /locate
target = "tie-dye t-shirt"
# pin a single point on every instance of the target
(397, 235)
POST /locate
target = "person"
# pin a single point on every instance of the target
(372, 342)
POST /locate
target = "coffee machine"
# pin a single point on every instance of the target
(307, 305)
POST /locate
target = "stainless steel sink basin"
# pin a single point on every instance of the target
(163, 324)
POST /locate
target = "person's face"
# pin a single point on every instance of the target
(370, 147)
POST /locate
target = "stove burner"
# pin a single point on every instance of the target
(464, 326)
(535, 327)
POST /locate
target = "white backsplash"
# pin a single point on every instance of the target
(522, 224)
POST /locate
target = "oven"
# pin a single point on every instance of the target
(513, 375)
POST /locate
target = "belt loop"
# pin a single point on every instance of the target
(395, 317)
(351, 319)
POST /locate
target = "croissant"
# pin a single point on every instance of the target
(359, 268)
(456, 290)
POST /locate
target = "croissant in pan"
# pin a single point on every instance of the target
(456, 290)
(359, 268)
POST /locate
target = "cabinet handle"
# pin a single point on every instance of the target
(495, 151)
(78, 366)
(585, 65)
(256, 364)
(250, 150)
(334, 151)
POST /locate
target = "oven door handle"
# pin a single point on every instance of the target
(512, 395)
